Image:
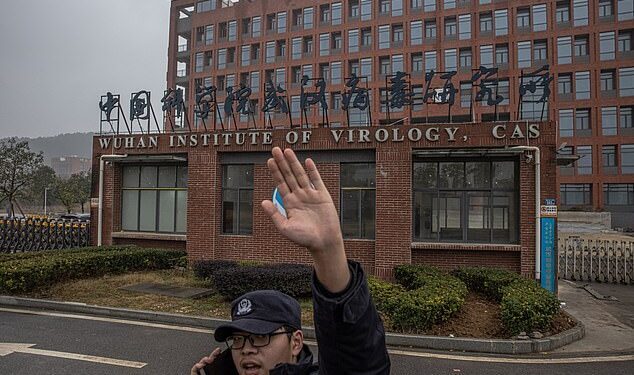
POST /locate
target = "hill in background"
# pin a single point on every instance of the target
(79, 144)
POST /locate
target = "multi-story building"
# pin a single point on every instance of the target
(66, 166)
(586, 43)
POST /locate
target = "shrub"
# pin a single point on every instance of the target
(24, 274)
(527, 307)
(292, 279)
(424, 296)
(205, 269)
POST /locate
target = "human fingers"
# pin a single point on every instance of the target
(197, 369)
(297, 169)
(278, 179)
(274, 214)
(313, 174)
(285, 169)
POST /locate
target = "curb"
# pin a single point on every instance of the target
(492, 346)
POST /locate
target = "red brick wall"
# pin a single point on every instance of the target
(393, 242)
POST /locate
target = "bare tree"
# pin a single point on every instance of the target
(18, 167)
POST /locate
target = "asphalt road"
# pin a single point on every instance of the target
(172, 350)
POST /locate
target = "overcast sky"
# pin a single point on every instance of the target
(57, 57)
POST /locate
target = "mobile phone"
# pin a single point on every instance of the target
(222, 365)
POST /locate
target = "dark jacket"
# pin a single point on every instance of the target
(350, 334)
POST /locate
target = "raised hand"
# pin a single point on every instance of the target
(198, 367)
(312, 219)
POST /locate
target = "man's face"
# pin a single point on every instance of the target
(252, 360)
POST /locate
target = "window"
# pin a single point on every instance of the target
(256, 27)
(233, 30)
(566, 123)
(209, 34)
(270, 52)
(607, 80)
(222, 58)
(627, 159)
(335, 72)
(451, 60)
(366, 10)
(625, 117)
(581, 45)
(523, 18)
(384, 36)
(501, 22)
(626, 82)
(450, 27)
(430, 5)
(353, 8)
(430, 61)
(606, 8)
(486, 56)
(539, 17)
(324, 14)
(584, 164)
(430, 29)
(200, 57)
(524, 54)
(397, 8)
(397, 63)
(366, 68)
(397, 34)
(353, 40)
(308, 18)
(608, 156)
(358, 197)
(336, 13)
(245, 58)
(501, 54)
(237, 199)
(205, 6)
(562, 12)
(465, 94)
(608, 120)
(580, 12)
(564, 83)
(465, 201)
(582, 85)
(385, 67)
(417, 62)
(280, 77)
(575, 194)
(582, 119)
(324, 44)
(416, 33)
(486, 23)
(154, 198)
(564, 50)
(607, 49)
(625, 41)
(366, 37)
(449, 4)
(540, 51)
(625, 10)
(618, 194)
(466, 58)
(296, 48)
(281, 22)
(464, 26)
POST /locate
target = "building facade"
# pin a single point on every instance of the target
(586, 43)
(66, 166)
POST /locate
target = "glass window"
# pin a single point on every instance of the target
(256, 27)
(353, 40)
(524, 54)
(451, 60)
(626, 82)
(209, 34)
(245, 58)
(270, 52)
(575, 194)
(486, 56)
(324, 44)
(608, 156)
(584, 164)
(366, 10)
(582, 119)
(397, 63)
(366, 68)
(464, 26)
(566, 123)
(607, 80)
(384, 36)
(308, 18)
(466, 58)
(625, 41)
(564, 83)
(397, 8)
(154, 198)
(501, 54)
(336, 13)
(523, 18)
(237, 199)
(416, 33)
(430, 61)
(625, 10)
(335, 72)
(465, 94)
(233, 30)
(608, 120)
(581, 45)
(580, 12)
(562, 13)
(605, 8)
(417, 62)
(539, 17)
(430, 29)
(449, 4)
(625, 117)
(618, 194)
(281, 22)
(451, 28)
(540, 50)
(296, 48)
(607, 47)
(501, 22)
(430, 5)
(627, 159)
(486, 23)
(358, 197)
(200, 57)
(582, 85)
(465, 201)
(564, 50)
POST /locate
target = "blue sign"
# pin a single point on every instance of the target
(550, 202)
(548, 253)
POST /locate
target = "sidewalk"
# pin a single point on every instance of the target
(609, 324)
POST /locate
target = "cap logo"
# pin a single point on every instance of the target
(244, 307)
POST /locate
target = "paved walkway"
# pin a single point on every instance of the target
(609, 323)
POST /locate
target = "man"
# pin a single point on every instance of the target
(265, 334)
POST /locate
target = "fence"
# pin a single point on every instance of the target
(584, 259)
(21, 235)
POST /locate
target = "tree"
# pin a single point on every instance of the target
(75, 189)
(44, 178)
(82, 182)
(18, 166)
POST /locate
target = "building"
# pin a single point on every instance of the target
(586, 44)
(66, 166)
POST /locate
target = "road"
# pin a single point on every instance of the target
(75, 344)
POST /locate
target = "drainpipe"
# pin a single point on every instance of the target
(102, 162)
(538, 194)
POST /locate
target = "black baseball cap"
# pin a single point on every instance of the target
(261, 312)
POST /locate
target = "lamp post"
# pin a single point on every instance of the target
(46, 189)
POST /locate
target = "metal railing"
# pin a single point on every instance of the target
(22, 235)
(609, 261)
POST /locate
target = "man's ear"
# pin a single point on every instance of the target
(297, 342)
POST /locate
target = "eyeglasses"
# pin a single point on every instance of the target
(237, 342)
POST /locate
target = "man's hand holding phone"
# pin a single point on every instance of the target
(198, 367)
